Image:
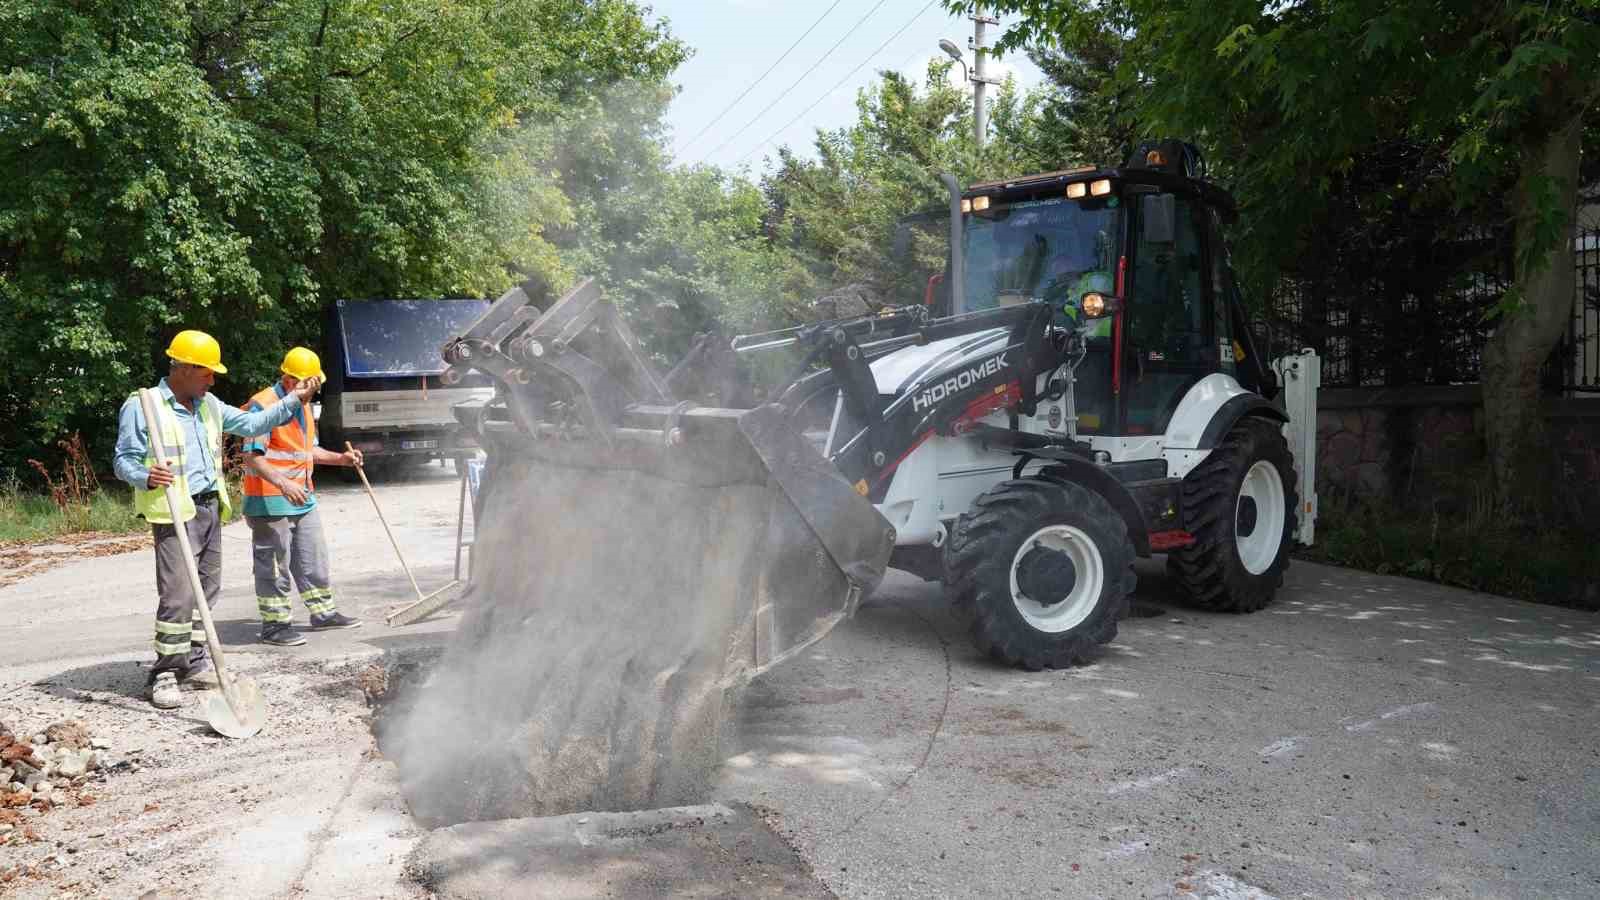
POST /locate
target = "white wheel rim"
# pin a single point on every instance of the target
(1069, 610)
(1258, 550)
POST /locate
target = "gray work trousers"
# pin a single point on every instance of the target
(286, 547)
(180, 638)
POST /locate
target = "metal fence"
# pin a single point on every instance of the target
(1578, 357)
(1424, 323)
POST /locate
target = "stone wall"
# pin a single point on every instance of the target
(1425, 445)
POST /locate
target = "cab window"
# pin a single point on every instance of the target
(1168, 320)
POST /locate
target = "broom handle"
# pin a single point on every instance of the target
(148, 401)
(398, 555)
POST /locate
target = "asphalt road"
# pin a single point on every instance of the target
(106, 605)
(1366, 736)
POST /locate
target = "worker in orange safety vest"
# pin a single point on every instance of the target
(280, 503)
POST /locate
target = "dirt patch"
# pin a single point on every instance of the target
(1035, 776)
(817, 697)
(24, 559)
(711, 851)
(165, 786)
(1009, 720)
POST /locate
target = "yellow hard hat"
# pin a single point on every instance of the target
(301, 363)
(197, 349)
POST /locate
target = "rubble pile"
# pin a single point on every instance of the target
(53, 768)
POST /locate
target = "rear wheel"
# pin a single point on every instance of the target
(1240, 506)
(1045, 567)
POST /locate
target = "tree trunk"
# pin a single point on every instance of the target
(1516, 352)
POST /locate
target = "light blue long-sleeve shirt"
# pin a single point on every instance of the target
(203, 467)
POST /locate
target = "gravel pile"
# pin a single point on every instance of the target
(53, 768)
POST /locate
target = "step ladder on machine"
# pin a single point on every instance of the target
(471, 471)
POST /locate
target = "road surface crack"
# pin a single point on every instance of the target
(933, 735)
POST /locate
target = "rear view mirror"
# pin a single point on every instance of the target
(1159, 213)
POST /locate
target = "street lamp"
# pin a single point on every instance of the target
(951, 50)
(980, 115)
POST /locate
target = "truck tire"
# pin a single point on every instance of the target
(1240, 506)
(1041, 536)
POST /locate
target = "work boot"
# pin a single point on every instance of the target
(164, 691)
(201, 676)
(281, 635)
(333, 621)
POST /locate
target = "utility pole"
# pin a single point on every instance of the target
(980, 80)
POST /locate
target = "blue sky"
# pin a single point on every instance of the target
(735, 41)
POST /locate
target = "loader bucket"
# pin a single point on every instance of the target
(625, 574)
(743, 523)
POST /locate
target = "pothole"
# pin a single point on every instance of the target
(644, 829)
(624, 742)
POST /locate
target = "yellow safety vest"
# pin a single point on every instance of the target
(152, 504)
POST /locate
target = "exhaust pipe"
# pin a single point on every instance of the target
(958, 269)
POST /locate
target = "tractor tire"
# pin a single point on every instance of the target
(1038, 536)
(1240, 505)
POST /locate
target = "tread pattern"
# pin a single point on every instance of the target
(1210, 572)
(978, 568)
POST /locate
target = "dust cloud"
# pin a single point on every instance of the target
(609, 606)
(587, 670)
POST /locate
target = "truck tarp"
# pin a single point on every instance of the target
(384, 338)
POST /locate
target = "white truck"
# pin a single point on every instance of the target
(384, 392)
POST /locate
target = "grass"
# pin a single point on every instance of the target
(73, 501)
(1473, 551)
(31, 517)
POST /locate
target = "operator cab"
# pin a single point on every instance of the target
(1149, 234)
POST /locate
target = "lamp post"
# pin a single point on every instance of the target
(980, 81)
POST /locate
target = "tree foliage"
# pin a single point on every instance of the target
(1300, 94)
(839, 212)
(232, 165)
(235, 165)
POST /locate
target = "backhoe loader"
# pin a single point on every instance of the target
(1083, 389)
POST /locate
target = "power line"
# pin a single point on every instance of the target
(829, 92)
(763, 77)
(797, 81)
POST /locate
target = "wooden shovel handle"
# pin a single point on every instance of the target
(385, 522)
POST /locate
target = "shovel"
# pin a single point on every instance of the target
(239, 711)
(420, 608)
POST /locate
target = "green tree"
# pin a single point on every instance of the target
(839, 213)
(1088, 113)
(692, 259)
(1307, 88)
(233, 166)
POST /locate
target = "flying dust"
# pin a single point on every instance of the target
(587, 670)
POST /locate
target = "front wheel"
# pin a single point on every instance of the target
(1240, 506)
(1045, 567)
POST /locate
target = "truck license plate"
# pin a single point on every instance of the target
(419, 445)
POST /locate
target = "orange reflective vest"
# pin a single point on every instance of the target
(288, 450)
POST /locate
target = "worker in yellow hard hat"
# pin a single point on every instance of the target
(280, 504)
(190, 424)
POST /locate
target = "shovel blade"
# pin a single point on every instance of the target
(244, 716)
